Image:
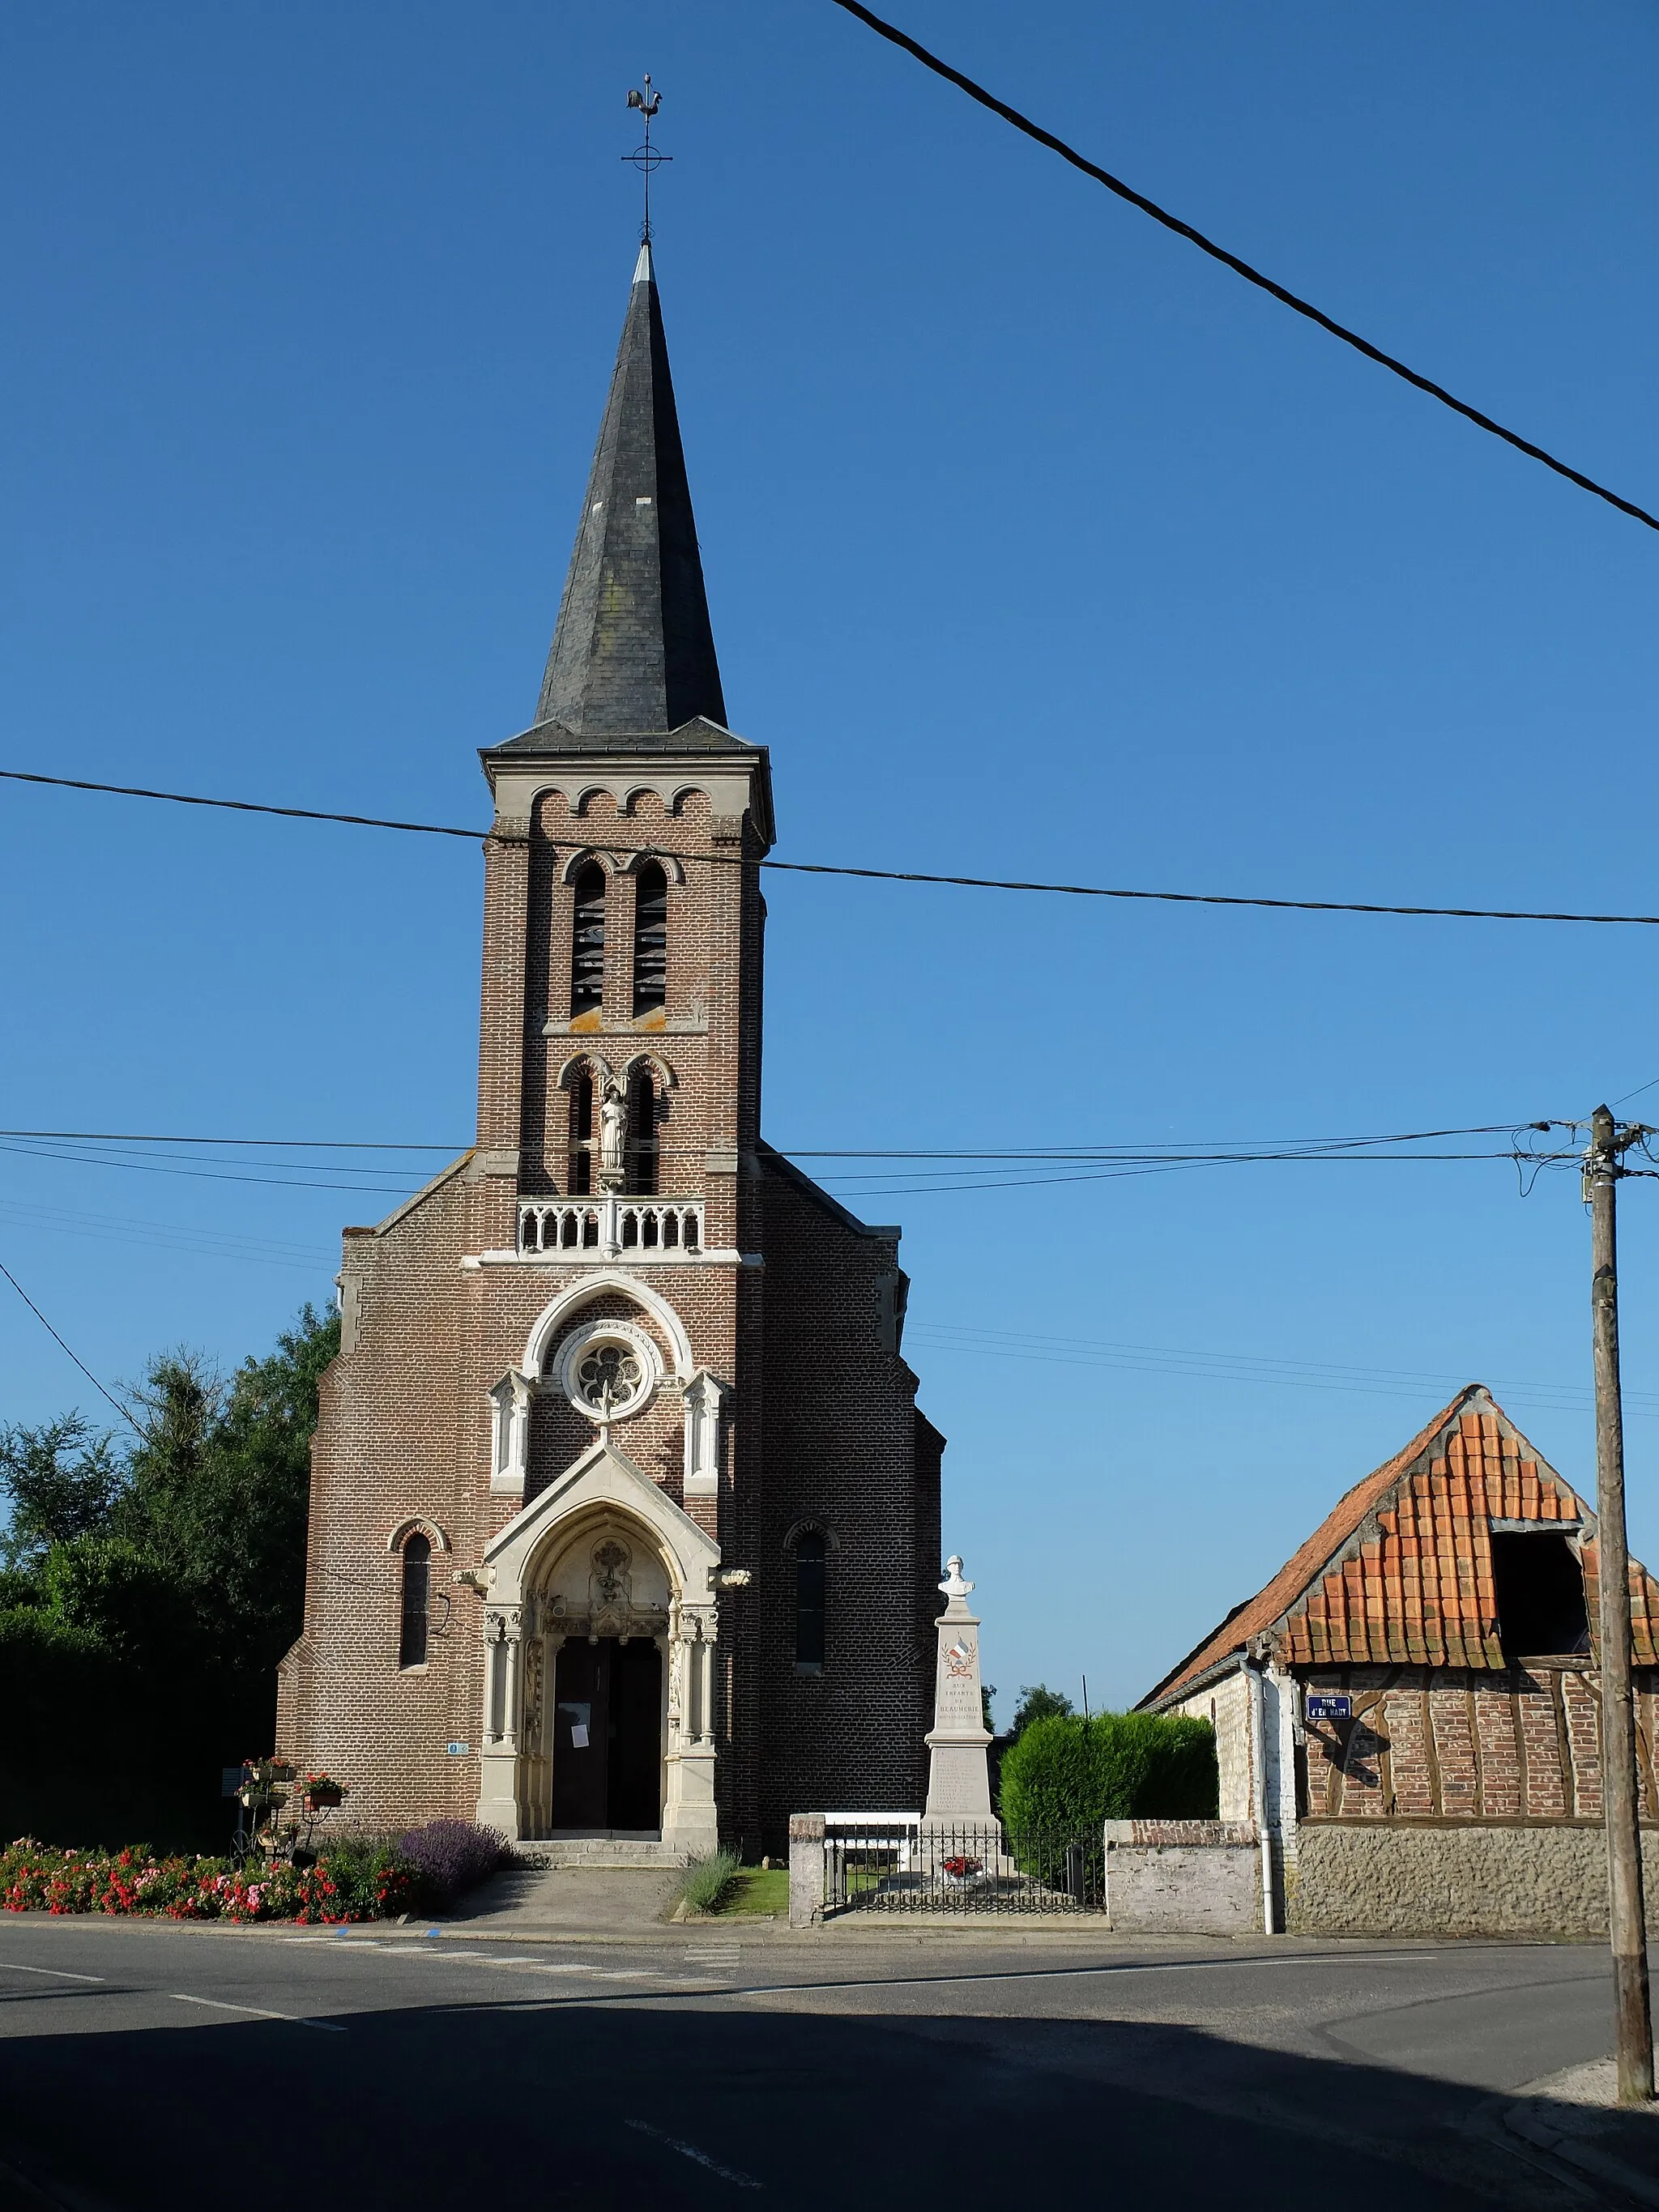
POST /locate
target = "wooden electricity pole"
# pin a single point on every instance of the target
(1627, 1921)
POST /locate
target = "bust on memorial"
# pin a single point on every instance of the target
(958, 1780)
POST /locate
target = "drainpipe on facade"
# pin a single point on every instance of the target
(1253, 1668)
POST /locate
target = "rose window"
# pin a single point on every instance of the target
(609, 1370)
(608, 1376)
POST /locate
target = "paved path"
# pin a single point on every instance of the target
(570, 1901)
(151, 2067)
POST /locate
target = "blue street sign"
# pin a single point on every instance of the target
(457, 1750)
(1323, 1706)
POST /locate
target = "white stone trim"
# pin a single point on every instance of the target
(604, 1483)
(594, 1063)
(646, 1350)
(407, 1528)
(704, 1399)
(725, 780)
(724, 1255)
(571, 1300)
(511, 1400)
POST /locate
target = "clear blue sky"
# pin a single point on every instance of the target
(1037, 546)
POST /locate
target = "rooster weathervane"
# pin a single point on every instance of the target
(646, 158)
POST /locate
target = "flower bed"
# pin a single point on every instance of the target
(357, 1878)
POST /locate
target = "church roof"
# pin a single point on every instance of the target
(633, 667)
(1401, 1572)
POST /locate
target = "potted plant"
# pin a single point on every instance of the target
(321, 1792)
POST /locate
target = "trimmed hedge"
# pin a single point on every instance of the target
(1066, 1775)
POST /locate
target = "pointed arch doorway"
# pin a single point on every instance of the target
(603, 1563)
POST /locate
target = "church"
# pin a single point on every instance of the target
(624, 1525)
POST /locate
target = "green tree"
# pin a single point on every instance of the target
(1038, 1702)
(218, 1486)
(154, 1587)
(62, 1481)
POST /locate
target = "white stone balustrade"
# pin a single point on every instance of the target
(608, 1227)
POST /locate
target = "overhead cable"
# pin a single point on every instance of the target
(1241, 268)
(64, 1348)
(875, 875)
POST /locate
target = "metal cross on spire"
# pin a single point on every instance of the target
(646, 158)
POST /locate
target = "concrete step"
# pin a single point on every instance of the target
(602, 1850)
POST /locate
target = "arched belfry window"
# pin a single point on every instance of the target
(642, 1141)
(580, 1183)
(587, 942)
(650, 939)
(810, 1578)
(417, 1599)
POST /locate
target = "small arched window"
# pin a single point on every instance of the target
(650, 939)
(810, 1579)
(587, 942)
(642, 1145)
(579, 1183)
(417, 1590)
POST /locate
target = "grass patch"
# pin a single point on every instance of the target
(704, 1883)
(757, 1889)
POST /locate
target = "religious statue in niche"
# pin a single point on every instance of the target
(613, 1139)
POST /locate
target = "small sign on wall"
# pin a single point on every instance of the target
(457, 1750)
(1324, 1705)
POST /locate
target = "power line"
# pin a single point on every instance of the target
(208, 1174)
(1062, 1151)
(1244, 1367)
(1240, 267)
(875, 875)
(281, 1144)
(241, 806)
(64, 1348)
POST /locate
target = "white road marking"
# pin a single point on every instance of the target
(699, 2157)
(53, 1974)
(528, 1960)
(257, 2012)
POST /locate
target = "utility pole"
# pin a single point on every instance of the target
(1626, 1921)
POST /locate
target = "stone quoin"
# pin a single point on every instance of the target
(623, 1520)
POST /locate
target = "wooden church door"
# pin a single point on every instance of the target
(607, 1745)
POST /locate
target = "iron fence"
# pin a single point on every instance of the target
(903, 1863)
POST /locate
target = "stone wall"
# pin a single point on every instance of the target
(1183, 1877)
(1364, 1878)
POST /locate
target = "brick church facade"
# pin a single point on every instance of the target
(623, 1520)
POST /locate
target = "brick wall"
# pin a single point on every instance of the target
(1453, 1743)
(821, 1420)
(844, 1453)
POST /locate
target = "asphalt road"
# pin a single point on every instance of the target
(147, 2065)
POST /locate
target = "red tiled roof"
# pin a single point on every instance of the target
(1400, 1570)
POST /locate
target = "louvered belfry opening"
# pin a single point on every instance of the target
(587, 942)
(642, 1142)
(650, 939)
(579, 1182)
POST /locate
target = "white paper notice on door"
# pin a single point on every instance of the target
(581, 1716)
(578, 1736)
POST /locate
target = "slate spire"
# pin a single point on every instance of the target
(634, 654)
